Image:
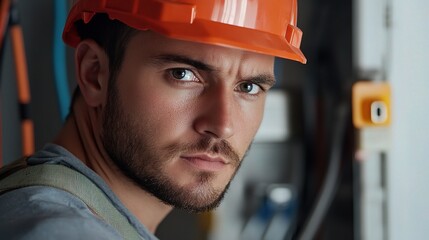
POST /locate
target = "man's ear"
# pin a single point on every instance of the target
(92, 65)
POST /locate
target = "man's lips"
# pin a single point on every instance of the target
(205, 162)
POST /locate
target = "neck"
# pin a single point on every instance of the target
(81, 135)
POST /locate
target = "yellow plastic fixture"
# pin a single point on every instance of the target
(371, 104)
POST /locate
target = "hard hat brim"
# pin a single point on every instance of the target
(231, 36)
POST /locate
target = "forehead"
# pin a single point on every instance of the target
(151, 44)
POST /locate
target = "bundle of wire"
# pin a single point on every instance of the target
(9, 23)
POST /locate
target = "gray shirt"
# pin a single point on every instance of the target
(41, 212)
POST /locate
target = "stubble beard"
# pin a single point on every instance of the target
(135, 155)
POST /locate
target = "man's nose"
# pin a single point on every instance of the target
(217, 114)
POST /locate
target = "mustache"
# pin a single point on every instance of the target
(210, 145)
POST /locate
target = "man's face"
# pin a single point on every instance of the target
(180, 116)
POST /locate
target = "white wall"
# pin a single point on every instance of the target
(408, 161)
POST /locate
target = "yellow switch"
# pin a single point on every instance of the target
(371, 104)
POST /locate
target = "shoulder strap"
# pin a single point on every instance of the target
(64, 178)
(13, 167)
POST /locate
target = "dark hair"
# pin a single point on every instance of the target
(112, 36)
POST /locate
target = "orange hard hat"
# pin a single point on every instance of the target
(263, 26)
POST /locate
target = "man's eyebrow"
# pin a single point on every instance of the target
(266, 79)
(176, 58)
(263, 79)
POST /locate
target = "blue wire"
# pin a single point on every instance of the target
(59, 58)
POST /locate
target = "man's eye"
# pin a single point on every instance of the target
(249, 88)
(182, 74)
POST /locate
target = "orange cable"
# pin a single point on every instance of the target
(27, 137)
(20, 64)
(23, 89)
(4, 18)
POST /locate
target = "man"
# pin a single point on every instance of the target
(170, 96)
